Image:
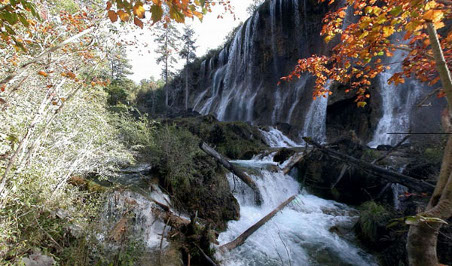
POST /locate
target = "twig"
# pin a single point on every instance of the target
(427, 97)
(45, 232)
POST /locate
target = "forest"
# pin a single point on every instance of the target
(311, 132)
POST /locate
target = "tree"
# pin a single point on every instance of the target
(357, 58)
(188, 53)
(168, 42)
(119, 64)
(254, 6)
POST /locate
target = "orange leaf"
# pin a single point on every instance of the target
(112, 15)
(441, 94)
(138, 22)
(433, 15)
(123, 15)
(108, 5)
(42, 73)
(139, 10)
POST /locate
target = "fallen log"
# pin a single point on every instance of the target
(241, 239)
(293, 161)
(390, 176)
(239, 173)
(171, 219)
(391, 150)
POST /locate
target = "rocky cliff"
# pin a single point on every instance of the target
(239, 82)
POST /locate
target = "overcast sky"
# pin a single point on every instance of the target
(210, 34)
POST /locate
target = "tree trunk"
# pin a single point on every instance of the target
(241, 239)
(240, 174)
(422, 238)
(421, 244)
(186, 83)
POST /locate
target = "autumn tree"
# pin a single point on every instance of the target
(168, 43)
(356, 60)
(188, 53)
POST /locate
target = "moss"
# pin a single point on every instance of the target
(373, 218)
(194, 180)
(371, 155)
(236, 140)
(433, 155)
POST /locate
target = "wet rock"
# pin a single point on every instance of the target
(282, 155)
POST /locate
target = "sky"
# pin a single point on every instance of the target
(210, 34)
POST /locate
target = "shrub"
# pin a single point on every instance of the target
(372, 217)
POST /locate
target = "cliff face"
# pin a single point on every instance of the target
(240, 82)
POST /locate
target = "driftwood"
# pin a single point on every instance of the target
(170, 218)
(241, 239)
(293, 161)
(393, 177)
(239, 173)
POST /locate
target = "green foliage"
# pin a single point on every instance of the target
(372, 216)
(65, 5)
(236, 140)
(120, 90)
(174, 153)
(434, 154)
(41, 210)
(33, 220)
(135, 133)
(150, 97)
(167, 37)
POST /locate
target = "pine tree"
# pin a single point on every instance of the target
(168, 41)
(188, 53)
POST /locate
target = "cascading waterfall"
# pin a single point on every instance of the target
(303, 233)
(235, 81)
(398, 102)
(229, 97)
(275, 138)
(315, 120)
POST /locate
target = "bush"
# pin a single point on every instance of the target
(373, 217)
(174, 153)
(40, 209)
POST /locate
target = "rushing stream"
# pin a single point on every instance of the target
(309, 231)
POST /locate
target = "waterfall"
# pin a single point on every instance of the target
(303, 233)
(275, 138)
(300, 86)
(235, 86)
(397, 191)
(230, 97)
(398, 102)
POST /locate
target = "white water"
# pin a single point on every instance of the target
(398, 102)
(315, 120)
(275, 138)
(298, 235)
(398, 191)
(232, 82)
